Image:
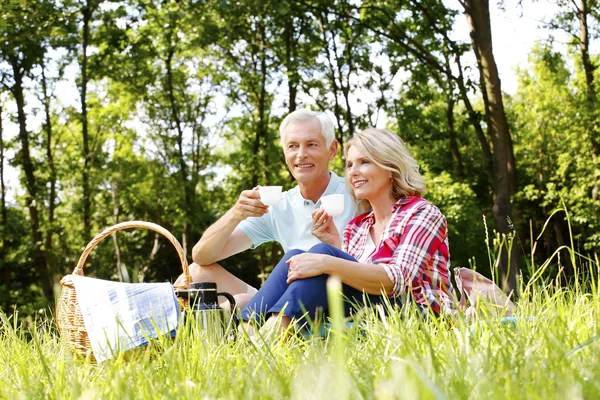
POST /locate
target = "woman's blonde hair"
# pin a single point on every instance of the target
(389, 152)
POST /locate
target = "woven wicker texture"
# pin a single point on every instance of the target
(69, 317)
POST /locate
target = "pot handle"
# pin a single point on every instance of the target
(229, 298)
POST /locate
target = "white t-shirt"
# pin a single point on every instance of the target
(365, 257)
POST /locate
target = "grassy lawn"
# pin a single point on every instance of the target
(554, 355)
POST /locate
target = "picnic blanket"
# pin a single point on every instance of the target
(122, 316)
(483, 295)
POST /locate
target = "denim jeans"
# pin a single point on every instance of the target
(304, 296)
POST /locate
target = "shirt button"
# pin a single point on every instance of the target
(306, 203)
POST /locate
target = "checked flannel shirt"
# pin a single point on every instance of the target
(413, 250)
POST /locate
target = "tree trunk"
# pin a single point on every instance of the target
(155, 248)
(346, 93)
(345, 86)
(262, 108)
(291, 57)
(504, 185)
(259, 94)
(6, 272)
(121, 269)
(176, 120)
(589, 68)
(337, 109)
(39, 256)
(452, 135)
(51, 168)
(291, 64)
(156, 244)
(118, 258)
(199, 152)
(262, 131)
(474, 119)
(86, 11)
(584, 43)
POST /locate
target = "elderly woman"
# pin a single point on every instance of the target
(397, 248)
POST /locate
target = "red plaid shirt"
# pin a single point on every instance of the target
(413, 250)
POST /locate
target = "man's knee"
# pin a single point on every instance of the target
(202, 273)
(323, 248)
(292, 253)
(287, 256)
(197, 273)
(308, 286)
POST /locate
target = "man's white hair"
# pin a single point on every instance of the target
(327, 129)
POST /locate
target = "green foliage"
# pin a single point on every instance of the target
(185, 100)
(26, 24)
(553, 145)
(24, 289)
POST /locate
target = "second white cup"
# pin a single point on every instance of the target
(333, 204)
(270, 195)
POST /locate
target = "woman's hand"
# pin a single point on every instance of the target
(305, 265)
(324, 229)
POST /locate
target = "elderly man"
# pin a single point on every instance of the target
(309, 145)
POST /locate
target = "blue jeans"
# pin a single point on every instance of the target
(303, 295)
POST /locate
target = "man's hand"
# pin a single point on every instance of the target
(305, 265)
(324, 229)
(249, 205)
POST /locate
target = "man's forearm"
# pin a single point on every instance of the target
(209, 248)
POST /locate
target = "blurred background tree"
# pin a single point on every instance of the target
(165, 111)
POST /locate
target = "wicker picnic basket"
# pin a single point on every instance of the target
(69, 317)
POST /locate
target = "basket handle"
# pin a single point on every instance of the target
(130, 225)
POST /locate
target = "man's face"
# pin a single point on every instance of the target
(306, 153)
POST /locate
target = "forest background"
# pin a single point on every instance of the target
(177, 107)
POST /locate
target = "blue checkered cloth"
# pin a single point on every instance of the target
(122, 316)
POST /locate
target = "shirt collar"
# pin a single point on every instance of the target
(402, 202)
(370, 218)
(331, 188)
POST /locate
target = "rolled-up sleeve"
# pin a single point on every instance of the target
(413, 247)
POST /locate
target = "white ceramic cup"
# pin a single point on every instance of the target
(270, 195)
(333, 204)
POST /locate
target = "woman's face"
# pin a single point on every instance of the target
(367, 179)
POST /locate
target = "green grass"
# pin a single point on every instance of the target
(556, 355)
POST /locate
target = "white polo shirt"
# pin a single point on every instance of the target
(290, 222)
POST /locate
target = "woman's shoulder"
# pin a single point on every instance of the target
(359, 220)
(416, 204)
(415, 207)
